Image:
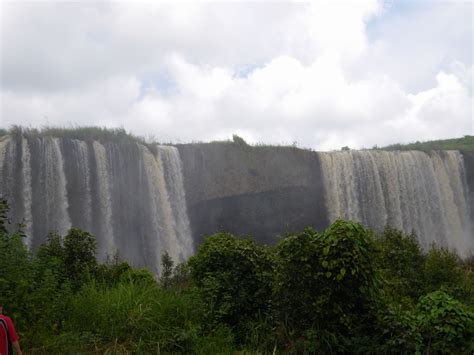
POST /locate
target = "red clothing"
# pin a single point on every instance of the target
(7, 335)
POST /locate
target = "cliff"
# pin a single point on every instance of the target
(260, 191)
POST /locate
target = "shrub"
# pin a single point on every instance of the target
(297, 293)
(447, 326)
(235, 278)
(325, 284)
(401, 264)
(398, 330)
(79, 256)
(443, 270)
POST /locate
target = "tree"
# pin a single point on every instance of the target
(167, 265)
(400, 260)
(235, 278)
(297, 279)
(79, 256)
(113, 270)
(3, 216)
(239, 140)
(326, 285)
(443, 270)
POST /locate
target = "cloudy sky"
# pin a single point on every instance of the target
(323, 74)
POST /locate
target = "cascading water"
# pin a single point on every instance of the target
(106, 244)
(53, 181)
(4, 141)
(159, 205)
(424, 192)
(174, 180)
(119, 192)
(27, 192)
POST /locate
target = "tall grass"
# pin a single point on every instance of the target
(133, 317)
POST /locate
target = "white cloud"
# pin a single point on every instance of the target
(271, 72)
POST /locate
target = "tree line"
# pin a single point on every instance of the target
(340, 290)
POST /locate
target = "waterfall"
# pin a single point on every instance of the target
(54, 183)
(175, 186)
(160, 208)
(424, 192)
(80, 179)
(27, 191)
(106, 243)
(131, 197)
(4, 141)
(9, 176)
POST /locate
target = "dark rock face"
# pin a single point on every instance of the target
(259, 191)
(263, 215)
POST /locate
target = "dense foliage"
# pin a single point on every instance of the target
(234, 277)
(325, 284)
(340, 290)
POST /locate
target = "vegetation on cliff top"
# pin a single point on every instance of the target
(87, 134)
(121, 135)
(464, 143)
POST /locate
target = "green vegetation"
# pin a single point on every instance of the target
(341, 290)
(465, 143)
(88, 134)
(120, 135)
(235, 279)
(325, 284)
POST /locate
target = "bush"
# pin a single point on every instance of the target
(325, 285)
(447, 326)
(398, 330)
(79, 256)
(235, 278)
(401, 264)
(111, 272)
(297, 294)
(443, 270)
